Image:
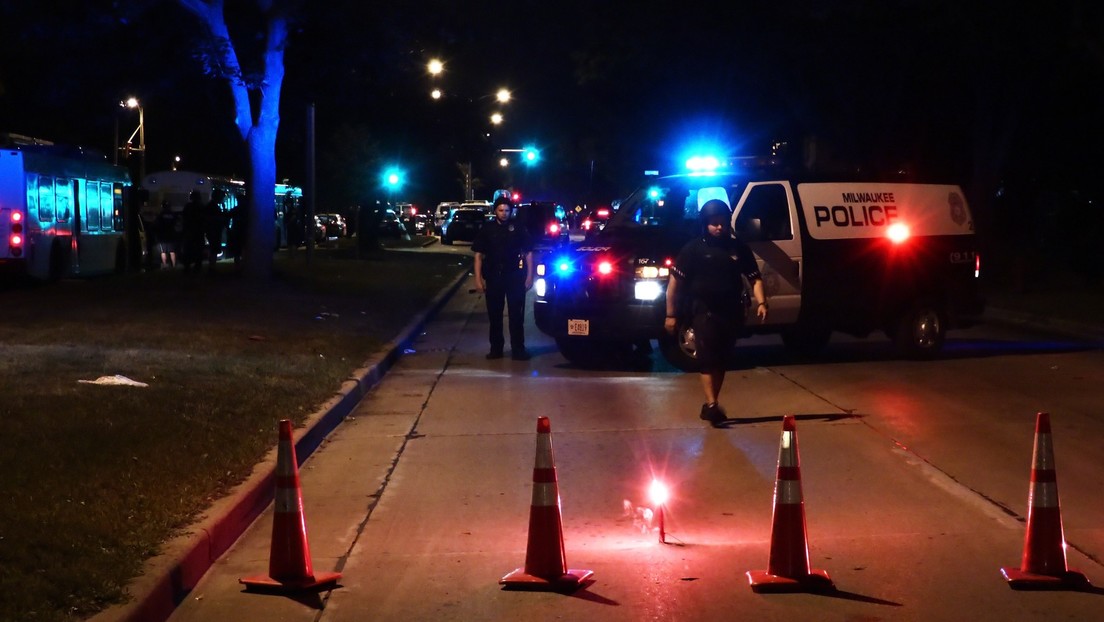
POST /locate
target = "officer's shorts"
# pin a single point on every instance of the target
(714, 337)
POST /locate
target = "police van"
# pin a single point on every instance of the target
(836, 256)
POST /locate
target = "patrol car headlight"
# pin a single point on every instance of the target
(540, 269)
(647, 272)
(541, 287)
(648, 290)
(664, 273)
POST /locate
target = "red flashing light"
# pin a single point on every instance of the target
(16, 216)
(587, 224)
(897, 232)
(413, 211)
(517, 197)
(605, 267)
(15, 240)
(603, 212)
(668, 262)
(554, 228)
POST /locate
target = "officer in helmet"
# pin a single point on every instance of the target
(706, 292)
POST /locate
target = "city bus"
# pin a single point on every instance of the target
(61, 212)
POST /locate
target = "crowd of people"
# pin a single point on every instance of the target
(194, 235)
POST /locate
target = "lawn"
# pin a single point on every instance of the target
(97, 477)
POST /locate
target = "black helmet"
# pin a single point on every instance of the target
(714, 208)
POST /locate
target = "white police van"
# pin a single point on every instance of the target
(853, 257)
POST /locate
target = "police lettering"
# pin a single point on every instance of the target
(856, 215)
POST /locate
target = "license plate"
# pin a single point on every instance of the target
(578, 327)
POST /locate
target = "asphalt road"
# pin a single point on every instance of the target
(915, 478)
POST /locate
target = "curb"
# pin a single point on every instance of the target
(168, 578)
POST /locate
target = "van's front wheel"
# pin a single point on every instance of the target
(679, 349)
(920, 332)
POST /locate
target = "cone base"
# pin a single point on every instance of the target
(815, 581)
(267, 583)
(570, 581)
(1020, 580)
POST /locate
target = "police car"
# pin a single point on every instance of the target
(853, 257)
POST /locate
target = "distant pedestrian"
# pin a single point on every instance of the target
(706, 283)
(167, 236)
(504, 272)
(239, 222)
(214, 223)
(192, 251)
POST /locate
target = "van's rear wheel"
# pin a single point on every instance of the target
(920, 332)
(679, 349)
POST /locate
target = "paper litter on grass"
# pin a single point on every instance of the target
(116, 380)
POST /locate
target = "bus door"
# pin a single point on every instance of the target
(766, 218)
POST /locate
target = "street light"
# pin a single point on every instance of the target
(435, 67)
(176, 162)
(503, 95)
(496, 118)
(132, 102)
(435, 93)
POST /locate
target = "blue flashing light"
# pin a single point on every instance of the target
(703, 164)
(653, 193)
(563, 265)
(531, 155)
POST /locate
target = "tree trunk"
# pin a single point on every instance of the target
(261, 225)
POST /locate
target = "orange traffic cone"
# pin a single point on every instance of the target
(545, 566)
(1044, 555)
(788, 565)
(289, 563)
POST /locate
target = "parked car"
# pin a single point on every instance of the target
(335, 225)
(463, 224)
(444, 208)
(421, 224)
(390, 225)
(546, 222)
(318, 231)
(596, 219)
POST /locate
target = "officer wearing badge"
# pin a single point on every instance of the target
(504, 272)
(705, 282)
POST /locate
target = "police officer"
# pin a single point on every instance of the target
(504, 272)
(706, 279)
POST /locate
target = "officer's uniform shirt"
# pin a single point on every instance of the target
(504, 246)
(710, 268)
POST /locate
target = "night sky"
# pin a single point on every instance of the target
(963, 94)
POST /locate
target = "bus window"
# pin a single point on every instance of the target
(111, 213)
(92, 206)
(45, 200)
(63, 200)
(32, 196)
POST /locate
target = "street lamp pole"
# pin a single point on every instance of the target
(140, 131)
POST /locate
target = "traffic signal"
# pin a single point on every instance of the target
(393, 178)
